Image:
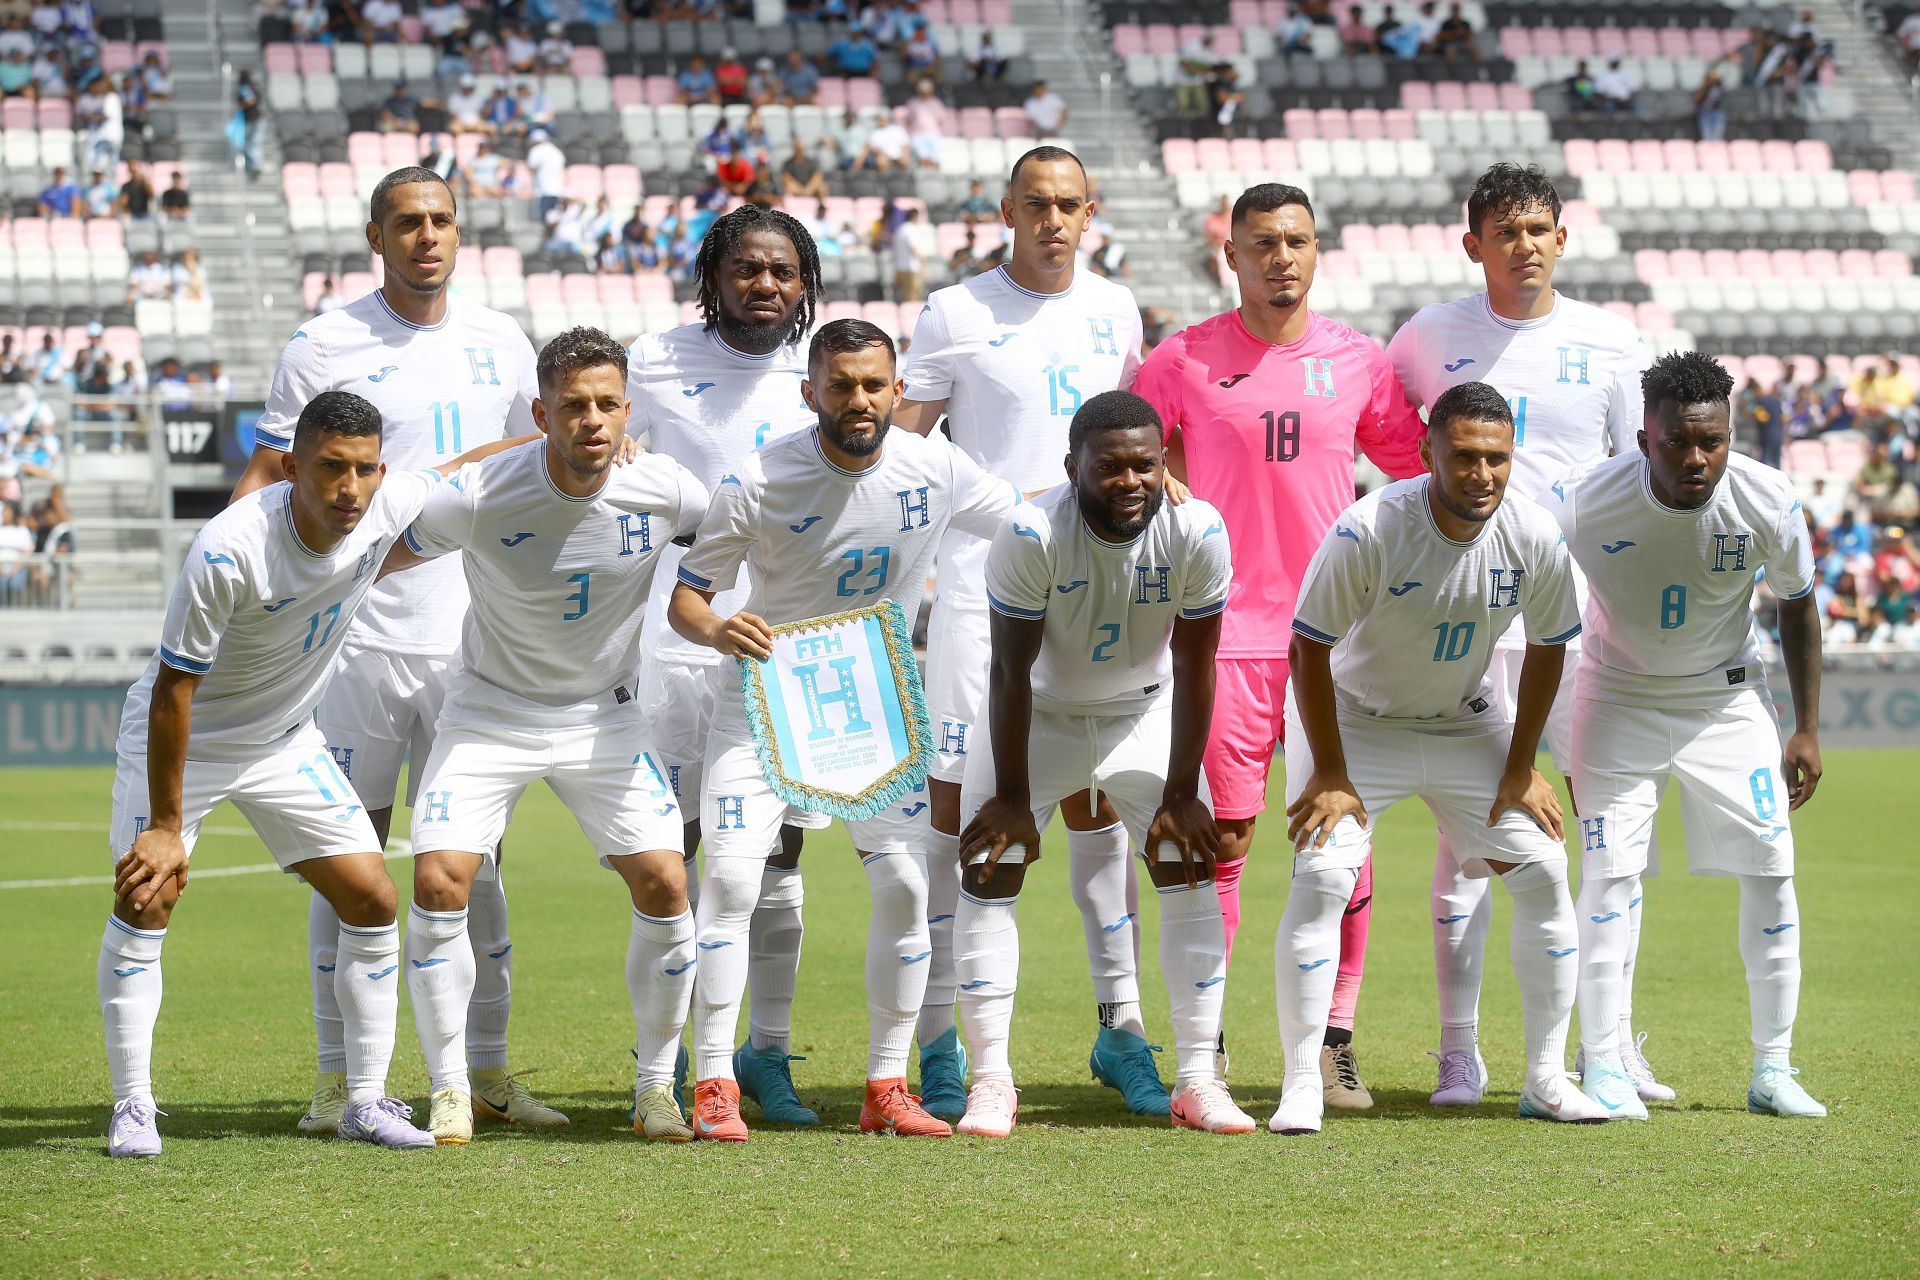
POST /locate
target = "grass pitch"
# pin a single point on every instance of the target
(1081, 1188)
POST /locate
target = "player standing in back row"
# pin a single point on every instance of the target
(446, 374)
(1571, 374)
(1009, 357)
(707, 395)
(1269, 404)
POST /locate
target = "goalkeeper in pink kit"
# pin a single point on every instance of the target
(1268, 404)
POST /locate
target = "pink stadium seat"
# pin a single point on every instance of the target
(1177, 157)
(1645, 156)
(1721, 264)
(1846, 457)
(355, 283)
(1821, 264)
(583, 182)
(1549, 42)
(105, 233)
(883, 315)
(1332, 123)
(300, 180)
(55, 113)
(1813, 155)
(1577, 215)
(663, 92)
(1643, 42)
(311, 285)
(315, 60)
(411, 31)
(1650, 265)
(1764, 370)
(1431, 239)
(1515, 97)
(1896, 186)
(1709, 43)
(1245, 13)
(1712, 157)
(1010, 122)
(1483, 97)
(837, 211)
(117, 56)
(16, 113)
(1393, 238)
(1785, 264)
(397, 149)
(937, 11)
(1282, 157)
(543, 289)
(832, 92)
(1890, 264)
(1516, 42)
(1622, 309)
(364, 148)
(1857, 264)
(335, 180)
(1162, 39)
(996, 13)
(1736, 368)
(501, 260)
(1673, 42)
(652, 290)
(1300, 122)
(1577, 42)
(1678, 155)
(587, 60)
(1246, 155)
(864, 92)
(1685, 264)
(1227, 41)
(145, 47)
(1753, 264)
(1653, 318)
(1213, 155)
(277, 59)
(1450, 96)
(578, 289)
(1614, 155)
(1359, 238)
(1129, 39)
(842, 310)
(976, 122)
(1610, 42)
(1745, 156)
(615, 290)
(628, 91)
(1806, 456)
(622, 184)
(122, 340)
(1399, 124)
(1416, 95)
(1366, 124)
(30, 233)
(1777, 156)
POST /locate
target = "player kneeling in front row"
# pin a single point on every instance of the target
(560, 549)
(841, 517)
(1672, 688)
(1106, 614)
(1393, 636)
(225, 712)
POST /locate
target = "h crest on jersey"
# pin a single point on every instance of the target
(1730, 552)
(480, 359)
(1571, 364)
(369, 560)
(913, 503)
(1319, 370)
(1152, 584)
(1505, 590)
(1104, 343)
(630, 532)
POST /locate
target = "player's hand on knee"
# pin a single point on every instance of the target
(745, 636)
(156, 857)
(1001, 824)
(1533, 795)
(1188, 826)
(1326, 800)
(1800, 765)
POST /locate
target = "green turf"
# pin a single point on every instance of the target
(1080, 1189)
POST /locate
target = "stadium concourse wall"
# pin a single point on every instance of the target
(1867, 699)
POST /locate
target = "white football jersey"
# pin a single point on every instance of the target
(818, 539)
(559, 583)
(260, 616)
(1014, 366)
(1413, 615)
(706, 406)
(1572, 378)
(441, 391)
(1109, 607)
(1670, 593)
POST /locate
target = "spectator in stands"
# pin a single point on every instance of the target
(556, 51)
(467, 106)
(531, 109)
(497, 115)
(380, 21)
(1615, 88)
(850, 137)
(1709, 110)
(52, 524)
(50, 366)
(16, 75)
(1883, 392)
(60, 198)
(1803, 27)
(601, 222)
(920, 52)
(100, 197)
(1225, 97)
(10, 370)
(483, 172)
(130, 388)
(520, 49)
(1427, 23)
(987, 62)
(1907, 35)
(310, 21)
(246, 123)
(696, 82)
(1803, 84)
(909, 265)
(730, 77)
(1356, 37)
(16, 544)
(854, 53)
(218, 387)
(443, 22)
(799, 80)
(149, 278)
(719, 143)
(1046, 110)
(977, 208)
(400, 113)
(964, 262)
(736, 173)
(1396, 39)
(190, 279)
(101, 112)
(154, 78)
(1879, 486)
(763, 86)
(801, 177)
(609, 259)
(549, 166)
(50, 79)
(1582, 97)
(754, 141)
(1760, 419)
(928, 120)
(889, 146)
(1824, 504)
(93, 356)
(1455, 38)
(1197, 59)
(330, 299)
(1293, 35)
(15, 35)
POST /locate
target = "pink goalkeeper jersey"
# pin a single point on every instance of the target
(1270, 434)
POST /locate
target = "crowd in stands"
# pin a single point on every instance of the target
(51, 50)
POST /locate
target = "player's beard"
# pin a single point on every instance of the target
(864, 447)
(1097, 514)
(1461, 511)
(752, 338)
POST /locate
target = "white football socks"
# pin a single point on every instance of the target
(1626, 965)
(492, 1000)
(773, 957)
(1462, 914)
(660, 978)
(440, 984)
(1543, 946)
(1097, 874)
(721, 926)
(128, 980)
(367, 986)
(986, 957)
(943, 904)
(323, 957)
(1604, 919)
(1306, 955)
(690, 863)
(897, 956)
(1770, 946)
(1193, 960)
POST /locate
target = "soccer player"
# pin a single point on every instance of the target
(843, 516)
(225, 712)
(446, 374)
(1009, 357)
(1269, 404)
(707, 395)
(1671, 688)
(1571, 374)
(1106, 612)
(560, 552)
(1390, 698)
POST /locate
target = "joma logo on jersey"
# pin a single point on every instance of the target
(1319, 370)
(1572, 363)
(1104, 343)
(1152, 584)
(913, 502)
(629, 532)
(1505, 590)
(480, 360)
(845, 695)
(1730, 552)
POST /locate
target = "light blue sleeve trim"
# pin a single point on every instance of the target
(1801, 594)
(1564, 636)
(694, 580)
(1013, 610)
(1312, 633)
(275, 443)
(191, 666)
(412, 542)
(1206, 611)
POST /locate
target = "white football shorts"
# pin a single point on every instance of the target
(959, 650)
(294, 796)
(1726, 763)
(1557, 737)
(379, 708)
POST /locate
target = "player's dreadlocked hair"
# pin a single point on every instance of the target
(1506, 188)
(381, 203)
(1685, 377)
(1111, 411)
(576, 349)
(1467, 402)
(1266, 197)
(724, 236)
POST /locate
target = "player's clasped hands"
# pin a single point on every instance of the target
(1188, 826)
(1533, 795)
(744, 636)
(1003, 823)
(156, 857)
(1313, 816)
